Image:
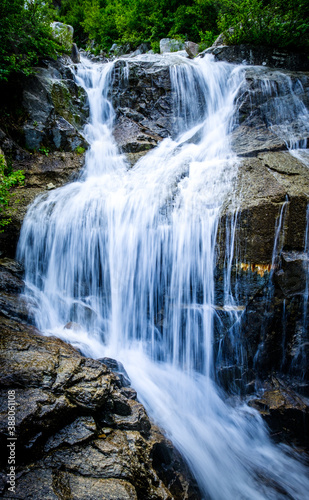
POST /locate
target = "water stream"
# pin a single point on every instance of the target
(128, 255)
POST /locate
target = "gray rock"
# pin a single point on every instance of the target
(192, 49)
(63, 33)
(171, 45)
(56, 109)
(292, 278)
(82, 429)
(144, 105)
(75, 55)
(258, 55)
(65, 447)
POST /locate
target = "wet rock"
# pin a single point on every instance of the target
(82, 429)
(269, 116)
(54, 484)
(76, 430)
(117, 368)
(40, 172)
(258, 55)
(75, 55)
(285, 411)
(56, 109)
(264, 184)
(142, 99)
(292, 277)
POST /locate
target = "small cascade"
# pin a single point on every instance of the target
(300, 347)
(284, 111)
(269, 294)
(128, 255)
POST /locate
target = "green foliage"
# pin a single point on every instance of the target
(80, 150)
(278, 23)
(281, 23)
(8, 179)
(44, 150)
(138, 21)
(25, 35)
(73, 13)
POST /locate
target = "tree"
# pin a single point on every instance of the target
(25, 35)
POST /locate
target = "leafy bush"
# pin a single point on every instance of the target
(278, 23)
(138, 21)
(25, 35)
(8, 179)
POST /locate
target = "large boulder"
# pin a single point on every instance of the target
(285, 411)
(171, 45)
(81, 433)
(192, 49)
(63, 33)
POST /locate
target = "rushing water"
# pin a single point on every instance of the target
(128, 256)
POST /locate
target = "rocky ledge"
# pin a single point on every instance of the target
(81, 432)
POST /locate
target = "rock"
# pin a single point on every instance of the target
(53, 484)
(40, 171)
(76, 430)
(119, 50)
(292, 278)
(142, 97)
(56, 109)
(117, 368)
(258, 55)
(269, 116)
(221, 40)
(285, 411)
(144, 48)
(170, 45)
(192, 49)
(263, 185)
(63, 33)
(75, 55)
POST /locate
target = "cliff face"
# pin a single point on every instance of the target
(265, 333)
(41, 135)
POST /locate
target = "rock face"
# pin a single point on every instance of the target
(143, 102)
(81, 432)
(56, 109)
(257, 55)
(285, 412)
(47, 111)
(42, 136)
(41, 173)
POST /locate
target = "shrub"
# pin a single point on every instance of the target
(8, 179)
(25, 35)
(278, 23)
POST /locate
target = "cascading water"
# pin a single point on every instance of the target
(128, 256)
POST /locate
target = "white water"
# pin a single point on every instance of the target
(129, 255)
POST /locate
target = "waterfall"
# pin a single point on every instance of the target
(121, 263)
